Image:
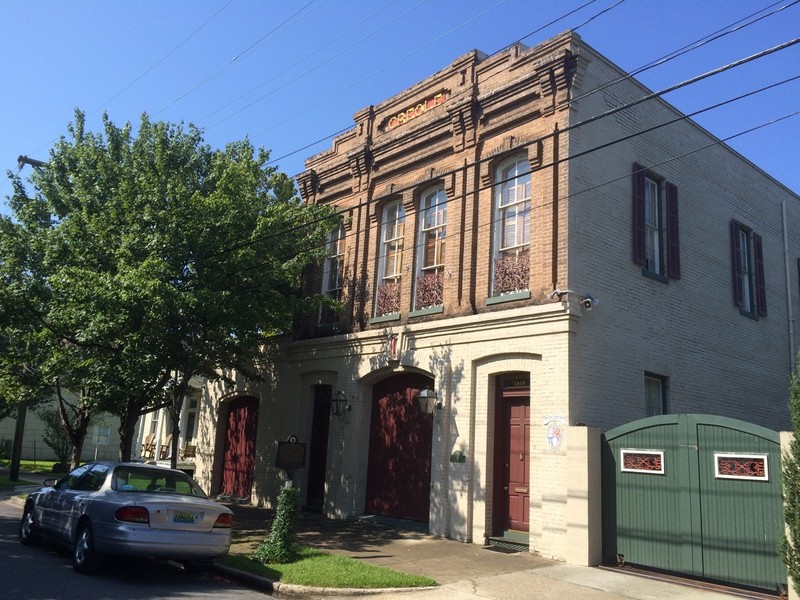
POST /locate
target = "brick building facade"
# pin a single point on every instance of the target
(523, 238)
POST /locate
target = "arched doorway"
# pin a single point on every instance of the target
(399, 471)
(240, 447)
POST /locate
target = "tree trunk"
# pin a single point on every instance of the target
(126, 429)
(16, 449)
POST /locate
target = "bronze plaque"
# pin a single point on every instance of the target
(291, 455)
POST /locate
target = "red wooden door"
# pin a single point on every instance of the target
(518, 464)
(399, 471)
(240, 447)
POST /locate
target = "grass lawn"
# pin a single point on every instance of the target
(319, 569)
(30, 466)
(5, 483)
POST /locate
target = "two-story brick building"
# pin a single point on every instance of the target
(524, 239)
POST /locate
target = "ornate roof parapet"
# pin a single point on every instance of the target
(308, 182)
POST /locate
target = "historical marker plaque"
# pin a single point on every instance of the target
(291, 454)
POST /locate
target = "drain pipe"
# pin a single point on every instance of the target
(446, 448)
(789, 302)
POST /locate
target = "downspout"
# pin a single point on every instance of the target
(446, 448)
(471, 469)
(789, 312)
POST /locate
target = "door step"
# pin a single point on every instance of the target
(508, 544)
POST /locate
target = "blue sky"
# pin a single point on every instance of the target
(291, 72)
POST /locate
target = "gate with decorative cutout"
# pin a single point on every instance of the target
(698, 495)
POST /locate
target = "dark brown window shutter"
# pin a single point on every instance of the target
(638, 242)
(673, 239)
(738, 298)
(761, 288)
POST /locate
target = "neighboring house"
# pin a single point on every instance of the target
(153, 437)
(498, 251)
(101, 443)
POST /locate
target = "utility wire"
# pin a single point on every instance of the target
(161, 60)
(734, 27)
(399, 60)
(343, 34)
(231, 62)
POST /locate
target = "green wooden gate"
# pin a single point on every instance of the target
(695, 494)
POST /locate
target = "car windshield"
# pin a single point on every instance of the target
(140, 479)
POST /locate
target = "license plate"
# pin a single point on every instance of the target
(185, 517)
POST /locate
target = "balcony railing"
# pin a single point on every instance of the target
(387, 301)
(429, 290)
(511, 273)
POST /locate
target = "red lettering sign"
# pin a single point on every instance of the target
(416, 111)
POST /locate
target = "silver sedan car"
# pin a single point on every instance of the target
(131, 509)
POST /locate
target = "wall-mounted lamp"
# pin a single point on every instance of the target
(340, 404)
(429, 401)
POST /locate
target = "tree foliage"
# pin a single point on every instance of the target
(147, 259)
(55, 436)
(790, 470)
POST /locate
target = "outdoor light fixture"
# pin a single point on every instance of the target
(340, 404)
(429, 401)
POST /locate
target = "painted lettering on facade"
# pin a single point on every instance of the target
(415, 111)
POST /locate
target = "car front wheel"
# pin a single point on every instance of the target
(84, 557)
(27, 528)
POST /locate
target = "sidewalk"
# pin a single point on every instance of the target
(463, 571)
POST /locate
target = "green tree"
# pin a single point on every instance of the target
(55, 436)
(790, 467)
(152, 258)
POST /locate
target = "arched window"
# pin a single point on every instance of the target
(430, 248)
(512, 227)
(390, 259)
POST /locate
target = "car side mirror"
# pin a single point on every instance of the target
(50, 482)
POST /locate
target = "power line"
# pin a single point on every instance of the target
(399, 60)
(289, 20)
(343, 34)
(734, 27)
(161, 60)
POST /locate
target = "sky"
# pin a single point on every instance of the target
(289, 74)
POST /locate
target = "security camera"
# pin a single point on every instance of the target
(588, 302)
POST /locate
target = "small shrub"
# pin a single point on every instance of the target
(279, 546)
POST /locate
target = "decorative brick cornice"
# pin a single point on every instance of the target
(360, 161)
(308, 182)
(463, 119)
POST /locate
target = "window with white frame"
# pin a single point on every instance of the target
(654, 259)
(390, 259)
(430, 248)
(333, 272)
(512, 226)
(190, 416)
(656, 241)
(749, 289)
(655, 395)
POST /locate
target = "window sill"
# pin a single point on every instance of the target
(510, 297)
(385, 318)
(653, 275)
(430, 310)
(748, 314)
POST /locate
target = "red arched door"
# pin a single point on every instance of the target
(240, 447)
(399, 472)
